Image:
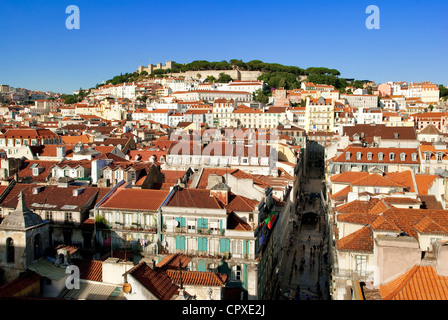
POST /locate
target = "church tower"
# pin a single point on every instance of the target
(24, 237)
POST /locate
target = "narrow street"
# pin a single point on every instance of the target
(303, 272)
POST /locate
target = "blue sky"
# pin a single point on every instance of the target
(38, 52)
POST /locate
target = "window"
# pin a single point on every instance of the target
(347, 156)
(180, 242)
(369, 156)
(361, 265)
(391, 156)
(212, 267)
(403, 156)
(68, 216)
(428, 156)
(202, 244)
(380, 156)
(37, 246)
(48, 215)
(236, 273)
(439, 157)
(191, 225)
(358, 155)
(202, 223)
(414, 157)
(9, 250)
(237, 247)
(224, 245)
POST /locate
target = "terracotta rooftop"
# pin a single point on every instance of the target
(51, 197)
(194, 198)
(15, 287)
(136, 199)
(157, 282)
(172, 261)
(424, 182)
(419, 283)
(198, 278)
(90, 269)
(368, 131)
(359, 241)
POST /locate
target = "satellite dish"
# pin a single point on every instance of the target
(127, 288)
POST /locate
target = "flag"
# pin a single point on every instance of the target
(270, 219)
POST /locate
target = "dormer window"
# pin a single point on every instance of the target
(391, 156)
(347, 156)
(403, 156)
(369, 156)
(358, 155)
(439, 157)
(414, 157)
(380, 156)
(428, 156)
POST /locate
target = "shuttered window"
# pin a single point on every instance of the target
(202, 244)
(180, 242)
(225, 245)
(202, 223)
(182, 222)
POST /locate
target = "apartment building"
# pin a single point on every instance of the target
(319, 115)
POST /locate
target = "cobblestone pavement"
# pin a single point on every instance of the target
(309, 282)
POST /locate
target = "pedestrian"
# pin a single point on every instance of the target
(303, 247)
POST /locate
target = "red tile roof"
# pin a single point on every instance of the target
(172, 261)
(15, 287)
(424, 182)
(194, 198)
(375, 151)
(90, 269)
(198, 278)
(52, 197)
(419, 283)
(157, 282)
(359, 241)
(136, 199)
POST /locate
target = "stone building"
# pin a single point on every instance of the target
(24, 238)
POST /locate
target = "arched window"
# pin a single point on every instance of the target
(358, 155)
(403, 156)
(9, 250)
(369, 156)
(37, 246)
(380, 156)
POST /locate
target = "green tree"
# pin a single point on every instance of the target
(224, 78)
(261, 96)
(358, 84)
(70, 99)
(210, 79)
(443, 91)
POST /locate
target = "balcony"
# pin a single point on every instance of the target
(134, 227)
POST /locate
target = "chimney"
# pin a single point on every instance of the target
(36, 190)
(77, 192)
(60, 151)
(220, 192)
